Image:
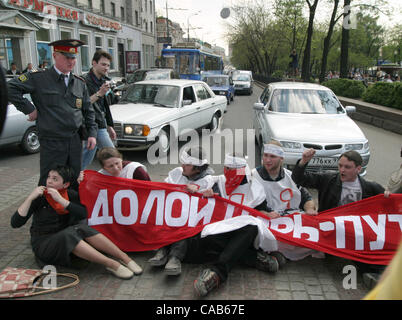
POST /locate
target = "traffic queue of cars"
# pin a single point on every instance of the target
(155, 110)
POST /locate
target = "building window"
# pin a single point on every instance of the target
(151, 27)
(85, 64)
(90, 4)
(122, 14)
(44, 51)
(98, 43)
(150, 6)
(145, 5)
(113, 9)
(129, 45)
(136, 18)
(64, 35)
(102, 6)
(111, 49)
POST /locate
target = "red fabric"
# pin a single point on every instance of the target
(144, 215)
(233, 178)
(54, 204)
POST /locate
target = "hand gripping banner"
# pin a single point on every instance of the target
(143, 215)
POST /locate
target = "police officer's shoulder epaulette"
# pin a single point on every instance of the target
(78, 77)
(25, 76)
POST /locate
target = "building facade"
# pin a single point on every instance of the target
(117, 26)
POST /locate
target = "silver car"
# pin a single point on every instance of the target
(18, 130)
(304, 115)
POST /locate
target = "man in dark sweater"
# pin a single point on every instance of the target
(336, 189)
(98, 87)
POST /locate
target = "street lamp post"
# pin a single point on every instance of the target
(188, 24)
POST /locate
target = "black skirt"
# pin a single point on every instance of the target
(56, 248)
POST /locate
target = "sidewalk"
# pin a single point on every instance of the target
(309, 279)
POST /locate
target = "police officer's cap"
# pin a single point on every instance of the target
(68, 47)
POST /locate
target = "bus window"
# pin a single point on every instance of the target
(184, 66)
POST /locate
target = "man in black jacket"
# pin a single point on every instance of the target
(98, 87)
(336, 189)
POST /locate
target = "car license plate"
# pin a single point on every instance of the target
(323, 162)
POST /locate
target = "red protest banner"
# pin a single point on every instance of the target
(142, 215)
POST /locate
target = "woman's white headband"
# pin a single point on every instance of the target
(274, 149)
(186, 159)
(234, 162)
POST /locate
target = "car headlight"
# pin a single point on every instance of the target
(136, 130)
(353, 146)
(291, 145)
(366, 145)
(223, 93)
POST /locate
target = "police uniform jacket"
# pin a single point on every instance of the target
(61, 110)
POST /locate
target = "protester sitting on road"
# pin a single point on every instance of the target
(228, 248)
(195, 173)
(336, 189)
(59, 228)
(282, 194)
(111, 161)
(395, 181)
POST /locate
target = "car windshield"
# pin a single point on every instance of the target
(154, 94)
(135, 77)
(157, 75)
(217, 81)
(304, 101)
(241, 77)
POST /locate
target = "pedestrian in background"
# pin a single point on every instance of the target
(62, 108)
(98, 87)
(294, 63)
(13, 70)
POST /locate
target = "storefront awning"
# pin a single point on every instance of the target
(16, 20)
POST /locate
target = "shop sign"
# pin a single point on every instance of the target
(43, 8)
(101, 23)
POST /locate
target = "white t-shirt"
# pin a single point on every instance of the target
(351, 192)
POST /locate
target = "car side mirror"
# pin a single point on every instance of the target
(258, 106)
(187, 102)
(350, 109)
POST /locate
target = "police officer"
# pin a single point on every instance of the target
(62, 108)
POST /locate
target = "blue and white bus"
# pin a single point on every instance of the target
(190, 62)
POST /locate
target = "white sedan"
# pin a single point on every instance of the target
(304, 115)
(161, 110)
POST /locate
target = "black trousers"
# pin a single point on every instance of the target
(223, 251)
(66, 151)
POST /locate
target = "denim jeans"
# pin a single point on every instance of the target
(102, 140)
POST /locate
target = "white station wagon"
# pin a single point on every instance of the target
(150, 111)
(303, 115)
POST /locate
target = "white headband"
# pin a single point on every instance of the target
(274, 149)
(186, 159)
(234, 162)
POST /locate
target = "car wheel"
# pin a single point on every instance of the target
(213, 125)
(163, 143)
(30, 141)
